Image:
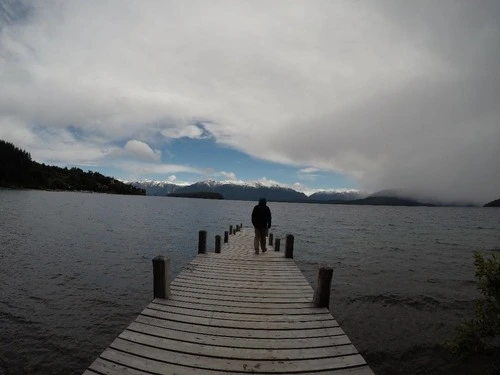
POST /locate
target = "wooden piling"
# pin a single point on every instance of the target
(323, 286)
(271, 237)
(202, 242)
(161, 277)
(289, 246)
(226, 236)
(230, 229)
(277, 244)
(217, 244)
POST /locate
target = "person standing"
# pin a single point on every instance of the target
(261, 220)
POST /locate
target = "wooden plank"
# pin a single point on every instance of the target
(256, 282)
(219, 351)
(106, 367)
(240, 291)
(235, 332)
(258, 285)
(238, 342)
(295, 305)
(242, 264)
(241, 324)
(239, 298)
(255, 317)
(281, 275)
(243, 277)
(225, 364)
(243, 310)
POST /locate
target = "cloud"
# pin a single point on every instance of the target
(308, 174)
(309, 170)
(142, 150)
(189, 131)
(172, 178)
(138, 168)
(394, 94)
(229, 175)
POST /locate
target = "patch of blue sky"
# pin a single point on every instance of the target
(206, 154)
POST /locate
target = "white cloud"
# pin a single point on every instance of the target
(395, 94)
(142, 150)
(229, 175)
(189, 131)
(172, 178)
(309, 170)
(138, 168)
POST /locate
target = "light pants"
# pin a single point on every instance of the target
(260, 238)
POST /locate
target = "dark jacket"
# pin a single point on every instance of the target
(261, 216)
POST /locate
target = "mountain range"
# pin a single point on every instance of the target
(245, 191)
(238, 190)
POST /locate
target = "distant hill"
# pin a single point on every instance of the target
(336, 195)
(201, 194)
(383, 201)
(17, 170)
(495, 203)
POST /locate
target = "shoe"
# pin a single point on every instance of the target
(257, 252)
(264, 250)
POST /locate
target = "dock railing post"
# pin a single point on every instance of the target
(271, 237)
(323, 286)
(202, 242)
(277, 244)
(289, 246)
(161, 277)
(226, 236)
(217, 244)
(230, 229)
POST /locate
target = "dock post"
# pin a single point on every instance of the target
(323, 286)
(202, 242)
(271, 238)
(161, 277)
(277, 244)
(217, 244)
(289, 246)
(230, 229)
(226, 236)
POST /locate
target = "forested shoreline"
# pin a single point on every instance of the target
(19, 171)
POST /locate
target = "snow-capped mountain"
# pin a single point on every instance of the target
(152, 187)
(244, 190)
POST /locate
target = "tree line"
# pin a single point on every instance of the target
(18, 170)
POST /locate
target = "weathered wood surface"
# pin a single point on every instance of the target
(234, 312)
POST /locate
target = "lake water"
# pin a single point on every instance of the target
(75, 269)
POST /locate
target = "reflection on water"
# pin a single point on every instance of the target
(75, 268)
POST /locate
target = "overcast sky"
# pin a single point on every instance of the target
(328, 94)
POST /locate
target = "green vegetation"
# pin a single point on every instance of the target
(17, 170)
(201, 194)
(472, 335)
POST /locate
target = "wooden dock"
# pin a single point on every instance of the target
(234, 312)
